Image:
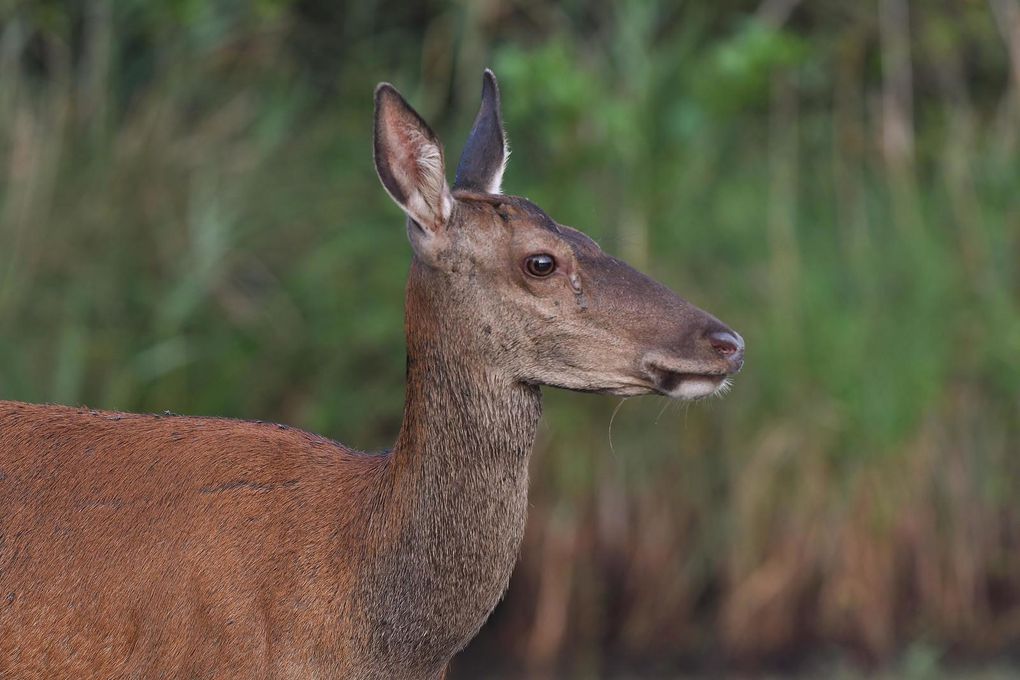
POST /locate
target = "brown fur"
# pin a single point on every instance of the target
(145, 546)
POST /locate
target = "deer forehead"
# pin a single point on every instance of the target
(519, 223)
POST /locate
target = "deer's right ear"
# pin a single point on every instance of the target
(409, 160)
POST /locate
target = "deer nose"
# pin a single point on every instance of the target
(729, 345)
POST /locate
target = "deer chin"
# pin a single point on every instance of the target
(687, 385)
(691, 386)
(688, 379)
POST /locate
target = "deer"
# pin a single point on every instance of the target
(167, 546)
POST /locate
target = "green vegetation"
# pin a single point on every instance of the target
(189, 220)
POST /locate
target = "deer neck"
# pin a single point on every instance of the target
(459, 481)
(466, 421)
(463, 423)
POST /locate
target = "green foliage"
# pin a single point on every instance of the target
(189, 220)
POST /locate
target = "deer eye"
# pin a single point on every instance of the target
(540, 265)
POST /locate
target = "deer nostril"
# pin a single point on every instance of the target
(726, 343)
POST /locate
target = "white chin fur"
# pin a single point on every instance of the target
(698, 388)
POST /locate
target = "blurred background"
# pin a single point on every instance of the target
(190, 220)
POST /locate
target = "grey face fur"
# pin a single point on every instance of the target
(593, 324)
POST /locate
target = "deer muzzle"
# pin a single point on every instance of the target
(718, 354)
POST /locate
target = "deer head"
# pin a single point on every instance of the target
(496, 279)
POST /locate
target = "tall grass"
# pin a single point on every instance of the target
(189, 220)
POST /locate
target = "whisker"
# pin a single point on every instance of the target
(665, 405)
(616, 410)
(724, 387)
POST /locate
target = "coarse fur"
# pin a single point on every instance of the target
(147, 546)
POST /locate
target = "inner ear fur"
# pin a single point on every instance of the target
(409, 160)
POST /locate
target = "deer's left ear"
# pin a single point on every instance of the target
(485, 154)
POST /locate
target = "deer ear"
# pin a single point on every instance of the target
(485, 154)
(409, 160)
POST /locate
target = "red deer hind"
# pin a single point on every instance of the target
(146, 546)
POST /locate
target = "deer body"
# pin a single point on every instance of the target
(415, 545)
(146, 546)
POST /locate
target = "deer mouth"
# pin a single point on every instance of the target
(686, 385)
